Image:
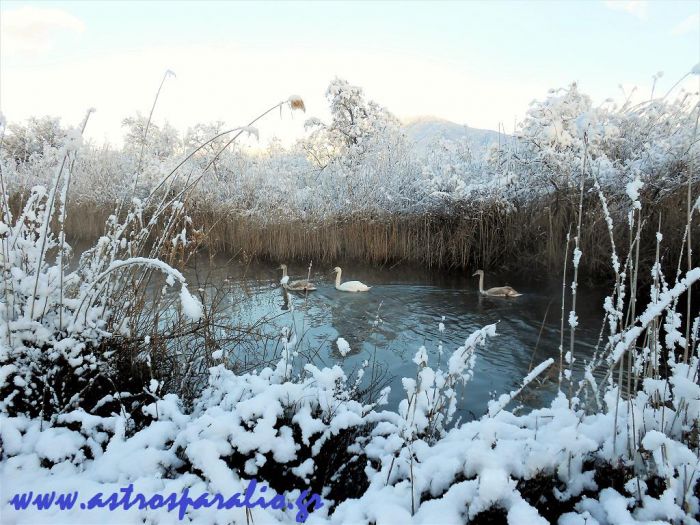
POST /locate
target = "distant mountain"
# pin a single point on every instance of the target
(424, 131)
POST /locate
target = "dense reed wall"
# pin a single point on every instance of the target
(529, 238)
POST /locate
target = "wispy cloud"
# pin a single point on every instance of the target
(638, 8)
(32, 30)
(688, 25)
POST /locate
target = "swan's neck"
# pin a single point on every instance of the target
(337, 278)
(284, 272)
(481, 283)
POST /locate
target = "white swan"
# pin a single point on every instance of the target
(301, 285)
(498, 291)
(349, 286)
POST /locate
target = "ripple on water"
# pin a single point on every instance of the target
(402, 312)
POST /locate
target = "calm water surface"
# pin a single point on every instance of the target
(401, 313)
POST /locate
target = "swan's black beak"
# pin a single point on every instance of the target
(475, 274)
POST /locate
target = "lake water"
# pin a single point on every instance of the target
(400, 314)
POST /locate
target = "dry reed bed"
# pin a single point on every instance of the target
(531, 237)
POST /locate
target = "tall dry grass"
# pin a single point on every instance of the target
(76, 333)
(529, 238)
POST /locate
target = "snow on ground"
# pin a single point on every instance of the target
(242, 422)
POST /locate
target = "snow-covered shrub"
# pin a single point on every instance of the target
(652, 141)
(451, 176)
(544, 466)
(87, 335)
(23, 141)
(58, 324)
(158, 143)
(357, 127)
(294, 432)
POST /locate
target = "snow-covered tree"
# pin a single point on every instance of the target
(158, 142)
(30, 138)
(357, 126)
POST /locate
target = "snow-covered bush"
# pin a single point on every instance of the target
(25, 140)
(87, 335)
(58, 323)
(653, 141)
(357, 127)
(159, 143)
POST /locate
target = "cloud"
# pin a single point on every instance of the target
(33, 30)
(688, 25)
(638, 8)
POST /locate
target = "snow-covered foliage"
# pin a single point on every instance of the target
(55, 318)
(82, 406)
(647, 142)
(358, 127)
(361, 164)
(67, 329)
(159, 143)
(24, 141)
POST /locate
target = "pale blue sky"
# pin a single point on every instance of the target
(478, 63)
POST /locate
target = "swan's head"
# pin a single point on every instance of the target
(336, 269)
(282, 267)
(478, 272)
